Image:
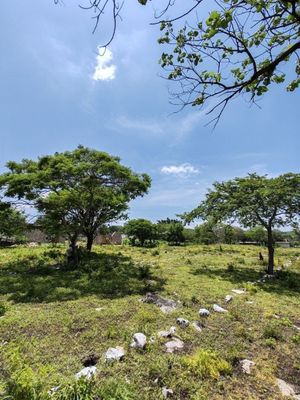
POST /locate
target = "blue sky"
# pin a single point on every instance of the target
(57, 93)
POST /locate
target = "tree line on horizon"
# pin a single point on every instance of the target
(79, 193)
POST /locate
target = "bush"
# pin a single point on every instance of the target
(230, 267)
(3, 309)
(273, 330)
(207, 364)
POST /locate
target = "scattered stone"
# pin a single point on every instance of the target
(203, 312)
(268, 276)
(249, 302)
(183, 323)
(174, 345)
(287, 390)
(165, 305)
(197, 326)
(99, 308)
(167, 393)
(87, 373)
(228, 298)
(32, 244)
(53, 390)
(114, 353)
(239, 291)
(219, 309)
(167, 334)
(247, 366)
(139, 341)
(296, 327)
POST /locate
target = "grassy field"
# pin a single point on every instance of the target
(53, 319)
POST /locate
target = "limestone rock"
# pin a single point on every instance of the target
(139, 341)
(197, 326)
(165, 305)
(87, 373)
(287, 390)
(183, 323)
(167, 334)
(203, 312)
(228, 298)
(114, 353)
(219, 309)
(239, 291)
(167, 393)
(247, 366)
(174, 345)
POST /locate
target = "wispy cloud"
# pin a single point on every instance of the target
(105, 70)
(182, 169)
(179, 126)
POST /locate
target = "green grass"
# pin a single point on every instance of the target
(52, 318)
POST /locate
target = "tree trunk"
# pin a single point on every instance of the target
(89, 242)
(270, 252)
(72, 253)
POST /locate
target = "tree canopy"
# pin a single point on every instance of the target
(76, 192)
(237, 47)
(12, 221)
(253, 201)
(142, 230)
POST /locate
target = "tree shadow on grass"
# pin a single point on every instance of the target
(284, 283)
(33, 279)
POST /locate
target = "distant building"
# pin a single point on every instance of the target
(283, 244)
(111, 238)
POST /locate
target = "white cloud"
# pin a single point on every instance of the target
(104, 70)
(182, 169)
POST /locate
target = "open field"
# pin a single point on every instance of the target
(55, 318)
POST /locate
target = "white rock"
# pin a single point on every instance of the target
(228, 298)
(247, 366)
(286, 389)
(296, 327)
(167, 309)
(197, 326)
(114, 353)
(184, 323)
(139, 341)
(86, 372)
(174, 345)
(203, 312)
(239, 291)
(99, 308)
(219, 309)
(167, 334)
(249, 302)
(53, 390)
(167, 392)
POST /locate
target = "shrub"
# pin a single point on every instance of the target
(296, 339)
(230, 267)
(79, 390)
(3, 309)
(207, 364)
(273, 330)
(270, 342)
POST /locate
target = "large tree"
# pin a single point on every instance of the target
(76, 192)
(220, 49)
(253, 201)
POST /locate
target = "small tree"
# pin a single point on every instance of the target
(252, 201)
(142, 230)
(12, 221)
(205, 233)
(171, 230)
